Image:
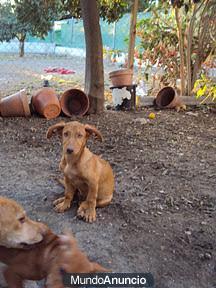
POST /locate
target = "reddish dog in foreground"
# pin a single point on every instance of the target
(46, 260)
(16, 229)
(83, 170)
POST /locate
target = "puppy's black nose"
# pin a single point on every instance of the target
(69, 150)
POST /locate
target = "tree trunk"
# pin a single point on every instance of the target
(181, 50)
(21, 47)
(196, 68)
(189, 47)
(94, 72)
(133, 21)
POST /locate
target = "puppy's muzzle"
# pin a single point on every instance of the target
(69, 150)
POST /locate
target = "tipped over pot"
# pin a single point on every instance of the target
(15, 105)
(46, 103)
(168, 98)
(74, 102)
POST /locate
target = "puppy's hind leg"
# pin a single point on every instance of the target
(103, 202)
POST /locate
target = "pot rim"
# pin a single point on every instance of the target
(63, 106)
(120, 72)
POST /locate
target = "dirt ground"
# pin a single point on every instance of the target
(163, 216)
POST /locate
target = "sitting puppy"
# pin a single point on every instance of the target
(83, 170)
(16, 229)
(46, 260)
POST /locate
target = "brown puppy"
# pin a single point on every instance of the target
(16, 229)
(46, 260)
(83, 170)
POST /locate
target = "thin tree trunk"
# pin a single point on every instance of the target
(181, 50)
(189, 47)
(21, 47)
(133, 21)
(203, 41)
(94, 72)
(196, 68)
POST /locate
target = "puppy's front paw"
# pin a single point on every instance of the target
(86, 212)
(61, 205)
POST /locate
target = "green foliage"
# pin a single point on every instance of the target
(159, 26)
(9, 26)
(185, 3)
(35, 16)
(109, 10)
(158, 34)
(205, 87)
(16, 22)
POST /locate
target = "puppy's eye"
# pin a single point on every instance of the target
(65, 134)
(22, 220)
(79, 135)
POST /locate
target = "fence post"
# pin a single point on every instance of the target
(114, 35)
(72, 31)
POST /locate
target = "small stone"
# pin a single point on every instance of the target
(142, 121)
(207, 256)
(188, 232)
(192, 114)
(33, 129)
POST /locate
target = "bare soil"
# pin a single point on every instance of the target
(163, 216)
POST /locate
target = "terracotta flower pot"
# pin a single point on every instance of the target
(46, 103)
(167, 98)
(123, 77)
(74, 102)
(15, 105)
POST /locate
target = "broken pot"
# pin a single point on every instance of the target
(46, 103)
(15, 105)
(74, 102)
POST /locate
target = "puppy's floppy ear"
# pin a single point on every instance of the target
(93, 130)
(58, 127)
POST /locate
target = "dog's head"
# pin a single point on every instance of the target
(16, 229)
(74, 136)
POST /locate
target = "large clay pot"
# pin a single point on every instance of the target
(74, 102)
(123, 77)
(15, 105)
(167, 98)
(46, 103)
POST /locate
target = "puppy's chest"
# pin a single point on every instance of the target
(78, 179)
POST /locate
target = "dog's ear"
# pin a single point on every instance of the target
(98, 268)
(57, 127)
(93, 130)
